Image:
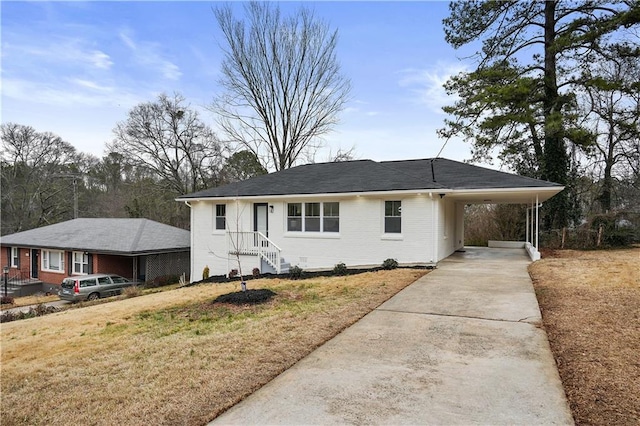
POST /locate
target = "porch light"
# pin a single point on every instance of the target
(270, 209)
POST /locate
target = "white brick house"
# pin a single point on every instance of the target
(357, 212)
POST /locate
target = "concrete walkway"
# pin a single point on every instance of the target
(461, 345)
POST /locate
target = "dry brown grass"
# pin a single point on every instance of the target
(31, 300)
(174, 357)
(590, 303)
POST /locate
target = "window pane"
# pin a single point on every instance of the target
(392, 225)
(312, 209)
(312, 224)
(15, 257)
(294, 209)
(54, 261)
(392, 208)
(221, 209)
(331, 209)
(331, 224)
(221, 222)
(294, 224)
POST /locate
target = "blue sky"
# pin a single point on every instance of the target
(76, 68)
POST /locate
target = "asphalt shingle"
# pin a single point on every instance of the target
(372, 176)
(104, 235)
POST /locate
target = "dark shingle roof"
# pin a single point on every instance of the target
(117, 236)
(370, 176)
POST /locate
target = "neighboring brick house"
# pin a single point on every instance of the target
(138, 249)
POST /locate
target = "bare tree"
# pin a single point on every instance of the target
(284, 88)
(167, 138)
(612, 100)
(32, 195)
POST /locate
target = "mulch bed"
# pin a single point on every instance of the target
(248, 297)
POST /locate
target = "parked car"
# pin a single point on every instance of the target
(92, 287)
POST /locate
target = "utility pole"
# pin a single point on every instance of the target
(74, 177)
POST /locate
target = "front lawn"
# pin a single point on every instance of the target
(590, 303)
(174, 357)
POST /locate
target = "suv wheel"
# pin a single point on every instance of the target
(93, 296)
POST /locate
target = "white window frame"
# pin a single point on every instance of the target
(216, 217)
(15, 259)
(82, 262)
(321, 217)
(46, 261)
(384, 222)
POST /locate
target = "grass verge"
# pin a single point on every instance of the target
(174, 357)
(590, 303)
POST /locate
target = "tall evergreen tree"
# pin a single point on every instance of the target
(521, 97)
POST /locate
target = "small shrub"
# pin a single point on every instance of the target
(233, 273)
(37, 311)
(295, 273)
(132, 291)
(340, 269)
(390, 264)
(6, 300)
(256, 272)
(205, 272)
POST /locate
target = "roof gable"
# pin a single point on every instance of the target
(104, 235)
(372, 176)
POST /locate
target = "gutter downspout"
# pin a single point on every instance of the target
(434, 215)
(191, 256)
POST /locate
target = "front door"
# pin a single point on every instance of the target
(261, 218)
(34, 263)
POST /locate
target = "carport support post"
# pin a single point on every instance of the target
(537, 225)
(526, 238)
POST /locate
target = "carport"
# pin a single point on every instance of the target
(532, 197)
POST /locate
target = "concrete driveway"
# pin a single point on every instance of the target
(462, 345)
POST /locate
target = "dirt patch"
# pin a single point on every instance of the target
(590, 303)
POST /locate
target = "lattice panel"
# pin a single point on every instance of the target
(167, 264)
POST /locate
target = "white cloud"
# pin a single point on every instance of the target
(91, 85)
(69, 51)
(427, 84)
(73, 95)
(358, 109)
(149, 55)
(101, 60)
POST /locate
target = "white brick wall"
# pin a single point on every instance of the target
(361, 240)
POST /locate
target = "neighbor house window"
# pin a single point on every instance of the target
(80, 262)
(392, 220)
(221, 216)
(52, 260)
(313, 217)
(15, 257)
(294, 217)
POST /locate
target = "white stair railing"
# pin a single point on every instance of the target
(255, 244)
